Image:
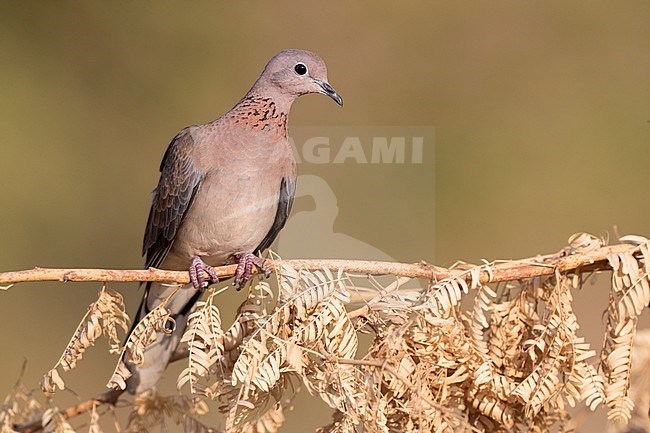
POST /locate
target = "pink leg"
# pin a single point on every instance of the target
(197, 278)
(246, 261)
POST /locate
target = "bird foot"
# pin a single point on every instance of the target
(197, 278)
(245, 268)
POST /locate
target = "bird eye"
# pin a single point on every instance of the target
(300, 69)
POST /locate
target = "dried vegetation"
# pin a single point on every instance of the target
(514, 360)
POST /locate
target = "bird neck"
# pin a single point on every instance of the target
(261, 113)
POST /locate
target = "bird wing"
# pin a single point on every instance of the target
(287, 193)
(179, 182)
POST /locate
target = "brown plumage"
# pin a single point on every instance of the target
(225, 192)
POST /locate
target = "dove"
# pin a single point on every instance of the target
(225, 191)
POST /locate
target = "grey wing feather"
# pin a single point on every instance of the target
(179, 182)
(287, 193)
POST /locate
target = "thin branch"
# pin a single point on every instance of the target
(109, 397)
(502, 271)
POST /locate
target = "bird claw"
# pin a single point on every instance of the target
(197, 278)
(243, 273)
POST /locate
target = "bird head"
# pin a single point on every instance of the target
(297, 72)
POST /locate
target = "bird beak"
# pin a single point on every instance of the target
(329, 91)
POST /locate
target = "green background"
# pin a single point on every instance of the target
(541, 113)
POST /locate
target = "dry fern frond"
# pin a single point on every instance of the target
(617, 368)
(478, 320)
(251, 311)
(629, 295)
(585, 384)
(639, 385)
(303, 290)
(446, 294)
(158, 319)
(257, 366)
(104, 316)
(204, 338)
(339, 336)
(253, 373)
(505, 335)
(544, 382)
(632, 286)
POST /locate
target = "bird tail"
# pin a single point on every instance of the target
(157, 355)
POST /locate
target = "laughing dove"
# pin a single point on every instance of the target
(225, 191)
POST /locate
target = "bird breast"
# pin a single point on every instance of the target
(235, 205)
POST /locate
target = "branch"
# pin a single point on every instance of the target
(502, 271)
(109, 397)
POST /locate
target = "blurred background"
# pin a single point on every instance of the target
(541, 113)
